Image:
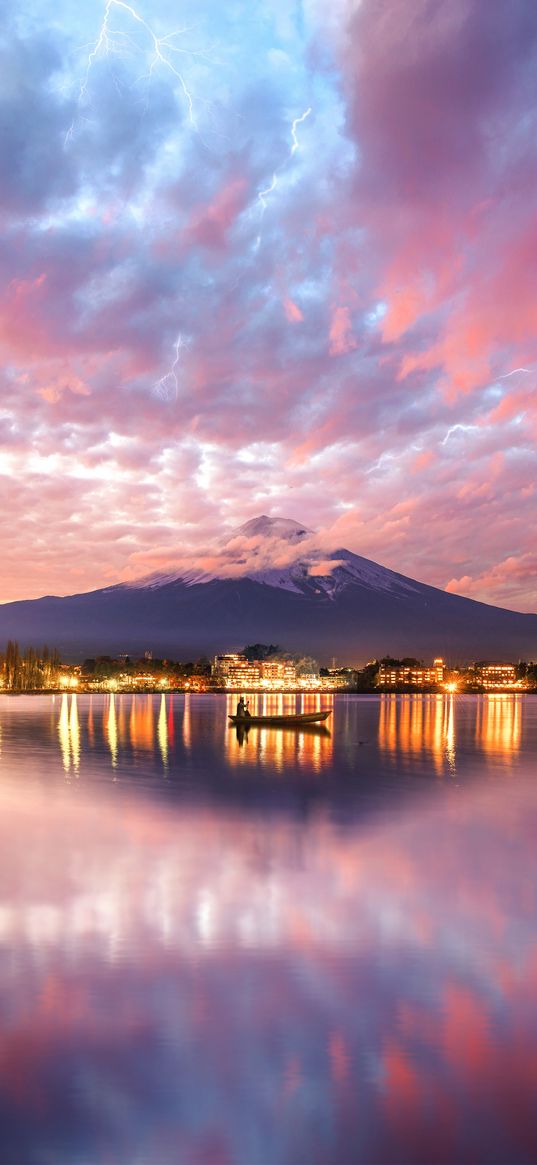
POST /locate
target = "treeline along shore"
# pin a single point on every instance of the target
(37, 670)
(30, 670)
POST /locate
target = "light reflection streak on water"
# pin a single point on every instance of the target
(111, 729)
(90, 724)
(187, 730)
(69, 734)
(141, 723)
(171, 727)
(133, 726)
(499, 723)
(63, 733)
(74, 732)
(162, 731)
(122, 719)
(410, 724)
(450, 736)
(146, 730)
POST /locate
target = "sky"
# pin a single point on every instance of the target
(269, 258)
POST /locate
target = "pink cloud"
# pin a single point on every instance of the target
(422, 461)
(340, 334)
(504, 580)
(452, 252)
(64, 380)
(209, 225)
(292, 311)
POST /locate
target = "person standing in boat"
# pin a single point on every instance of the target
(241, 708)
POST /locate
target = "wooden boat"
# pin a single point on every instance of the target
(291, 719)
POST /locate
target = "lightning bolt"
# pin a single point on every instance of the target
(167, 388)
(455, 429)
(115, 42)
(380, 462)
(263, 195)
(513, 373)
(297, 121)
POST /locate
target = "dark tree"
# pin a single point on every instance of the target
(260, 651)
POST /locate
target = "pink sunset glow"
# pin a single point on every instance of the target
(213, 306)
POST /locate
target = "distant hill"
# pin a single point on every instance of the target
(272, 584)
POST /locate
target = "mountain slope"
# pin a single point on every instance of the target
(307, 600)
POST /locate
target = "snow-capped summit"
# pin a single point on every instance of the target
(260, 549)
(263, 550)
(264, 527)
(285, 555)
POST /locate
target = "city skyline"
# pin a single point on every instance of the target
(266, 258)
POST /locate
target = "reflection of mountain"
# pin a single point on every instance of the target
(270, 582)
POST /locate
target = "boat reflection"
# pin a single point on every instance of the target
(280, 746)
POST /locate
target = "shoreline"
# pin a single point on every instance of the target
(280, 692)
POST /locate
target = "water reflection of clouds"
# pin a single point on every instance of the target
(342, 884)
(184, 980)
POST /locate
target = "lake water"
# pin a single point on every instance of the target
(272, 948)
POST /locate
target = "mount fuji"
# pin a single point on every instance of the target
(269, 581)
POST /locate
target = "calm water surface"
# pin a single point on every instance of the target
(276, 948)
